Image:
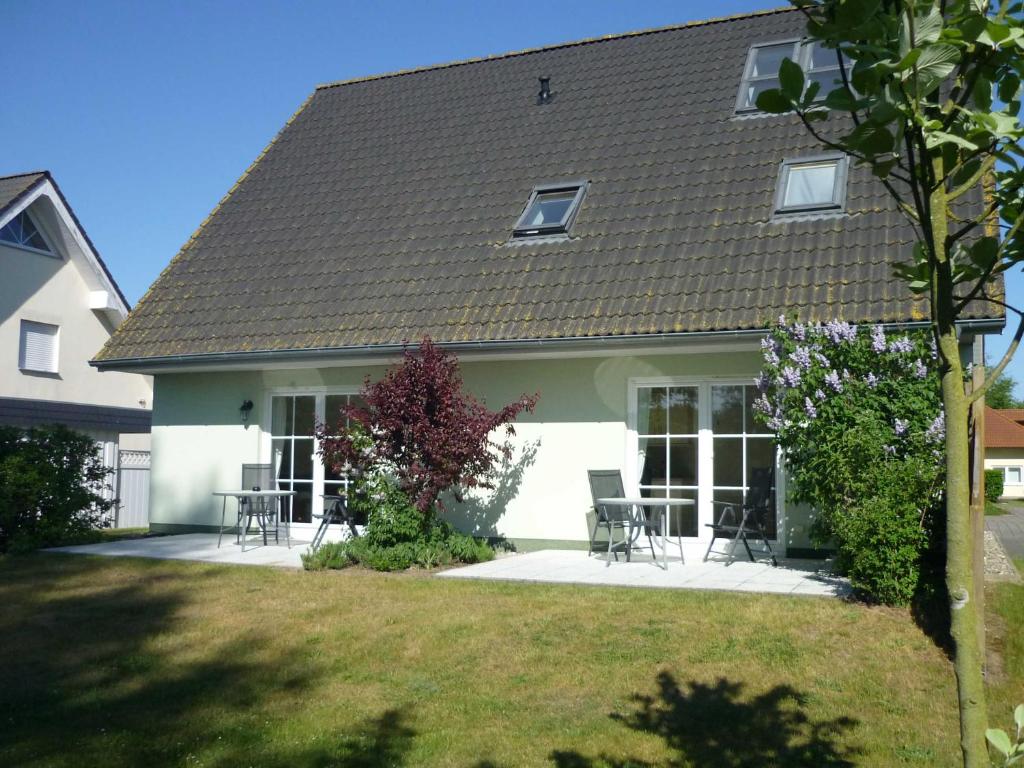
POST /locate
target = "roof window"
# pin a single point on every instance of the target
(550, 210)
(762, 69)
(22, 232)
(811, 184)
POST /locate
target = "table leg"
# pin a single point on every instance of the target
(223, 511)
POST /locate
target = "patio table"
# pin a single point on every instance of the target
(637, 521)
(240, 496)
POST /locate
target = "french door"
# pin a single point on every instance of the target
(697, 440)
(294, 448)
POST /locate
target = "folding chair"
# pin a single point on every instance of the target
(259, 477)
(747, 521)
(607, 483)
(336, 512)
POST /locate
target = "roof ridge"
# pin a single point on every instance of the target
(554, 47)
(26, 173)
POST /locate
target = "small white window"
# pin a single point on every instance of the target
(1012, 475)
(38, 348)
(811, 184)
(550, 210)
(22, 232)
(761, 73)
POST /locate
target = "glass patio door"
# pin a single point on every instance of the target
(293, 449)
(699, 441)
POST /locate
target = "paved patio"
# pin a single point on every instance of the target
(794, 577)
(201, 547)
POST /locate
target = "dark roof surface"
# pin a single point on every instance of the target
(24, 412)
(383, 210)
(13, 187)
(1002, 429)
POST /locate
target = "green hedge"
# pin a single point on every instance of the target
(993, 484)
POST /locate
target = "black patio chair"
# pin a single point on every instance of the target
(607, 483)
(259, 477)
(747, 521)
(336, 512)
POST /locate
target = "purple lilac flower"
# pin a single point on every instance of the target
(782, 321)
(837, 331)
(802, 357)
(774, 424)
(920, 369)
(937, 430)
(933, 350)
(819, 394)
(872, 380)
(790, 376)
(832, 379)
(809, 408)
(889, 449)
(900, 427)
(902, 345)
(763, 405)
(761, 381)
(798, 331)
(822, 359)
(877, 339)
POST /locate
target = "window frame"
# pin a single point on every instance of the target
(838, 201)
(1006, 474)
(522, 230)
(22, 349)
(52, 252)
(802, 50)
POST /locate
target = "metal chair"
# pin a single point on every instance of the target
(607, 483)
(259, 477)
(335, 511)
(746, 521)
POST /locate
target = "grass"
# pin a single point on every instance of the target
(121, 662)
(994, 509)
(1006, 639)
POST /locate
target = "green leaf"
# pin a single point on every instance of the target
(984, 251)
(1018, 716)
(982, 94)
(999, 740)
(773, 101)
(840, 99)
(791, 79)
(908, 61)
(935, 138)
(1009, 86)
(935, 64)
(927, 28)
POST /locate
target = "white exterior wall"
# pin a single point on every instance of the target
(997, 458)
(580, 423)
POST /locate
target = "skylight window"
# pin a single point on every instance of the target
(812, 184)
(762, 70)
(22, 231)
(550, 210)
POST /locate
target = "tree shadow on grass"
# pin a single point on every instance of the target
(101, 672)
(716, 725)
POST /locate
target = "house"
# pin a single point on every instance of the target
(609, 222)
(59, 305)
(1004, 448)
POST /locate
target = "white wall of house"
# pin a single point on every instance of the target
(583, 421)
(56, 290)
(1011, 462)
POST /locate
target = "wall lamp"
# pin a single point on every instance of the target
(245, 410)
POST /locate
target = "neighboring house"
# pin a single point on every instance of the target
(617, 237)
(58, 306)
(1004, 448)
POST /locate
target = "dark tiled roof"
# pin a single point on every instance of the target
(383, 209)
(22, 412)
(13, 187)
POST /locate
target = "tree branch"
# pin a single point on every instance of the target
(1007, 356)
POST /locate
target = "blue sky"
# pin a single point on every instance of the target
(146, 113)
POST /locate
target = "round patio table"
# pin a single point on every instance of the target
(637, 520)
(251, 495)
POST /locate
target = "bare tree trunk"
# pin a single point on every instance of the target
(977, 452)
(964, 616)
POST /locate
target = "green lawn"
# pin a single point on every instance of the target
(146, 663)
(995, 509)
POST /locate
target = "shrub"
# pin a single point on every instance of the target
(51, 485)
(419, 427)
(858, 416)
(993, 484)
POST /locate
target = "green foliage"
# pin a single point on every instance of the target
(1011, 750)
(858, 417)
(397, 536)
(993, 484)
(51, 484)
(999, 395)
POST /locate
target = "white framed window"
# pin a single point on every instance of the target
(22, 232)
(698, 439)
(810, 184)
(761, 72)
(294, 449)
(1012, 475)
(38, 347)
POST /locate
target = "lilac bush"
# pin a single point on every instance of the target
(858, 414)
